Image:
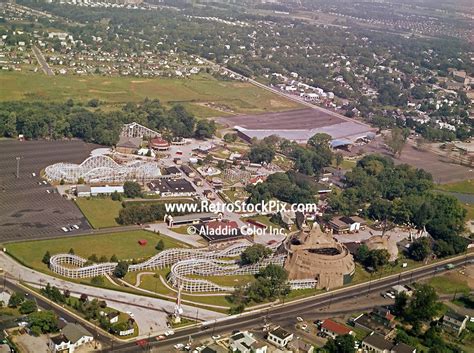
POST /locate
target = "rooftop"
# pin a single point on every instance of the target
(378, 341)
(335, 327)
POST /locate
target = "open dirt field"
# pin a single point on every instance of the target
(294, 119)
(441, 168)
(27, 209)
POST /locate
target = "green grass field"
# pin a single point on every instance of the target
(124, 245)
(100, 212)
(463, 187)
(238, 96)
(448, 284)
(153, 283)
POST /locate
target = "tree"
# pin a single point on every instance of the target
(83, 298)
(205, 129)
(424, 304)
(229, 137)
(419, 249)
(121, 269)
(132, 189)
(339, 159)
(27, 307)
(342, 344)
(44, 321)
(116, 196)
(103, 259)
(401, 302)
(113, 258)
(377, 258)
(93, 258)
(71, 251)
(362, 254)
(46, 258)
(261, 153)
(16, 299)
(396, 141)
(160, 245)
(254, 254)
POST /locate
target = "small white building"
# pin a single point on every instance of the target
(244, 342)
(71, 337)
(87, 190)
(279, 337)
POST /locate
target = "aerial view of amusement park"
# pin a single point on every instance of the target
(255, 176)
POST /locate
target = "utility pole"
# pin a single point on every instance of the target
(18, 167)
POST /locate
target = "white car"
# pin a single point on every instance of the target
(304, 327)
(300, 319)
(216, 337)
(179, 346)
(75, 226)
(169, 333)
(64, 229)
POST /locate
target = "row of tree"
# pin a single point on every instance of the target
(37, 120)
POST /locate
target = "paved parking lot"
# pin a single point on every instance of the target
(29, 208)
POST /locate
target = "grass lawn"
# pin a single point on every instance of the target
(346, 164)
(238, 96)
(100, 212)
(449, 284)
(227, 281)
(470, 211)
(154, 284)
(463, 187)
(124, 245)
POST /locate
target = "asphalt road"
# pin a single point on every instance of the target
(285, 314)
(41, 60)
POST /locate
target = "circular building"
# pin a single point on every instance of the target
(159, 144)
(314, 255)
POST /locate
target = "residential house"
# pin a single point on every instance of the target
(375, 343)
(279, 337)
(454, 322)
(113, 317)
(71, 337)
(334, 329)
(214, 348)
(244, 342)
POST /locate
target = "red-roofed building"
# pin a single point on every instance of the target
(257, 180)
(159, 144)
(142, 242)
(334, 329)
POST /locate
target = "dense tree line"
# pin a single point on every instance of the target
(270, 283)
(310, 159)
(286, 187)
(143, 213)
(403, 195)
(40, 120)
